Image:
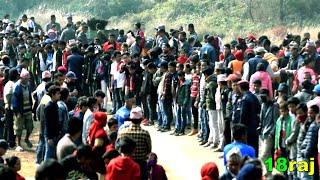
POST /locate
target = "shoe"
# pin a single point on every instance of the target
(149, 124)
(173, 133)
(203, 143)
(218, 150)
(199, 140)
(29, 144)
(181, 134)
(212, 146)
(207, 144)
(188, 126)
(19, 149)
(193, 132)
(159, 129)
(177, 134)
(164, 130)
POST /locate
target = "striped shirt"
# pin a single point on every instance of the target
(195, 85)
(142, 139)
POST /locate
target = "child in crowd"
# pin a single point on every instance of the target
(156, 171)
(15, 164)
(112, 125)
(183, 56)
(112, 139)
(283, 131)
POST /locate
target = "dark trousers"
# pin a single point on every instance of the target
(119, 98)
(168, 114)
(8, 131)
(195, 113)
(152, 106)
(227, 131)
(145, 106)
(143, 169)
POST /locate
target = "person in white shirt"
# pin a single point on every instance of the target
(27, 23)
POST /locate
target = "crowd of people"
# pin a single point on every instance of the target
(234, 98)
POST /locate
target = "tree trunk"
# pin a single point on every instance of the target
(281, 13)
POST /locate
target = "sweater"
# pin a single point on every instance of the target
(288, 120)
(51, 129)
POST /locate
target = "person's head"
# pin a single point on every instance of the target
(226, 48)
(261, 67)
(239, 132)
(99, 95)
(3, 147)
(294, 50)
(309, 62)
(181, 75)
(132, 69)
(284, 110)
(111, 38)
(91, 103)
(117, 56)
(14, 163)
(13, 74)
(243, 86)
(172, 66)
(207, 71)
(313, 111)
(264, 95)
(257, 85)
(234, 160)
(59, 78)
(252, 169)
(64, 95)
(194, 61)
(292, 104)
(179, 67)
(183, 53)
(24, 18)
(53, 18)
(152, 68)
(307, 76)
(282, 99)
(54, 93)
(75, 127)
(307, 85)
(130, 102)
(164, 66)
(210, 171)
(46, 76)
(83, 105)
(127, 146)
(7, 173)
(113, 125)
(316, 90)
(137, 25)
(113, 137)
(136, 115)
(24, 76)
(187, 68)
(165, 48)
(182, 36)
(108, 156)
(283, 89)
(204, 64)
(235, 86)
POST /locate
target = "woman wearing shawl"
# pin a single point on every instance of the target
(209, 171)
(98, 138)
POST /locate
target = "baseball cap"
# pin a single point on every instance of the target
(136, 113)
(46, 74)
(71, 75)
(316, 89)
(260, 50)
(160, 26)
(221, 78)
(62, 69)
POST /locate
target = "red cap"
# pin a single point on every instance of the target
(249, 51)
(242, 82)
(232, 77)
(252, 37)
(239, 55)
(62, 69)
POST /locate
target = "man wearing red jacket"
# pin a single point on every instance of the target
(111, 42)
(123, 167)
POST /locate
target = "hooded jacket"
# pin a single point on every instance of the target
(265, 81)
(183, 93)
(123, 168)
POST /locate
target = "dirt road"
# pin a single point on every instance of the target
(181, 156)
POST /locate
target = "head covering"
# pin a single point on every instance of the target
(232, 77)
(283, 87)
(316, 89)
(24, 73)
(100, 120)
(248, 51)
(260, 50)
(209, 171)
(71, 75)
(160, 26)
(252, 37)
(243, 82)
(46, 74)
(239, 55)
(310, 43)
(136, 113)
(221, 78)
(62, 69)
(234, 155)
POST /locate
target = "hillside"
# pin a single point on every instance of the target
(225, 18)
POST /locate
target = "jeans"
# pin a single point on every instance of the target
(104, 89)
(40, 149)
(189, 114)
(181, 119)
(204, 124)
(195, 113)
(152, 106)
(168, 114)
(50, 151)
(119, 98)
(160, 112)
(8, 131)
(213, 126)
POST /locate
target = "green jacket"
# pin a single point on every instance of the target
(278, 130)
(183, 93)
(210, 92)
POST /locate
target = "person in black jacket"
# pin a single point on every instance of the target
(307, 142)
(51, 129)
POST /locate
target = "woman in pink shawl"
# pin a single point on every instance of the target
(264, 77)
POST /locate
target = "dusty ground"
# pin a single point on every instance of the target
(181, 157)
